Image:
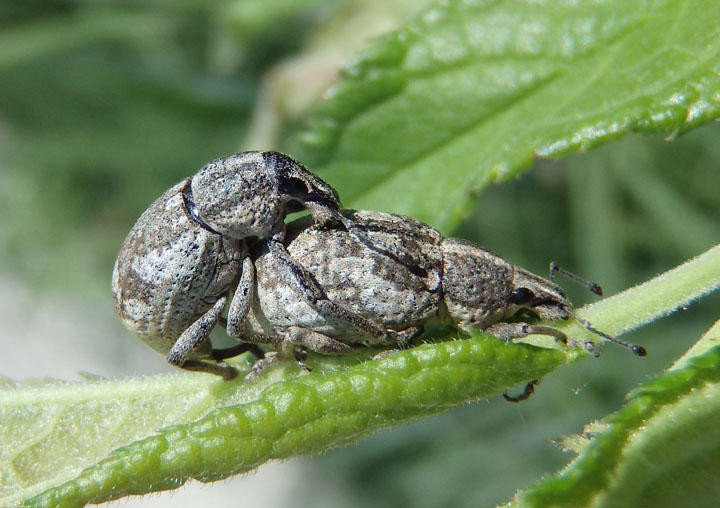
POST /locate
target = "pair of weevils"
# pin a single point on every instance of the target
(331, 282)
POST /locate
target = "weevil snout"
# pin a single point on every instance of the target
(548, 302)
(538, 296)
(297, 184)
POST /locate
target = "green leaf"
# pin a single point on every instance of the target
(35, 40)
(50, 433)
(707, 342)
(661, 449)
(472, 92)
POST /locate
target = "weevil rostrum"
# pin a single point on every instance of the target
(457, 282)
(184, 256)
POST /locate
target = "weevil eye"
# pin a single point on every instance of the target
(295, 187)
(521, 296)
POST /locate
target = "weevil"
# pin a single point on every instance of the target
(188, 251)
(458, 282)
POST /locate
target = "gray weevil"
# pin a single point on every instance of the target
(186, 253)
(460, 283)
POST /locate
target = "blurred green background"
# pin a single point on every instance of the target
(103, 105)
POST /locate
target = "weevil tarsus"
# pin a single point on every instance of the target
(236, 350)
(525, 394)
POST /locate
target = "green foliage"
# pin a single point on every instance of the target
(670, 423)
(105, 107)
(491, 85)
(296, 415)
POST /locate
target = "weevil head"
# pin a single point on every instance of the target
(245, 195)
(300, 188)
(538, 296)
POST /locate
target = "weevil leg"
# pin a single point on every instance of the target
(402, 338)
(237, 312)
(242, 347)
(248, 343)
(300, 354)
(547, 330)
(285, 349)
(321, 200)
(292, 342)
(225, 371)
(260, 365)
(316, 341)
(508, 331)
(526, 393)
(296, 338)
(315, 294)
(240, 303)
(194, 337)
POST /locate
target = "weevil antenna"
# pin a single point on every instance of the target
(555, 268)
(638, 350)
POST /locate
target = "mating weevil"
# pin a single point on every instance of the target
(457, 282)
(187, 252)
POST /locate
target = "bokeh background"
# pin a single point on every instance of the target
(103, 105)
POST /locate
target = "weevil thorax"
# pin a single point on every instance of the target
(476, 284)
(539, 296)
(237, 196)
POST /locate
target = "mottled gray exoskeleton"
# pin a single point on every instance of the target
(187, 253)
(458, 282)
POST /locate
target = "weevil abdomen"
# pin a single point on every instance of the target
(170, 271)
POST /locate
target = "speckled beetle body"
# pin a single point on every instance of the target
(458, 282)
(397, 295)
(187, 252)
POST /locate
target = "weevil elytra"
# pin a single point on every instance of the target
(187, 252)
(458, 282)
